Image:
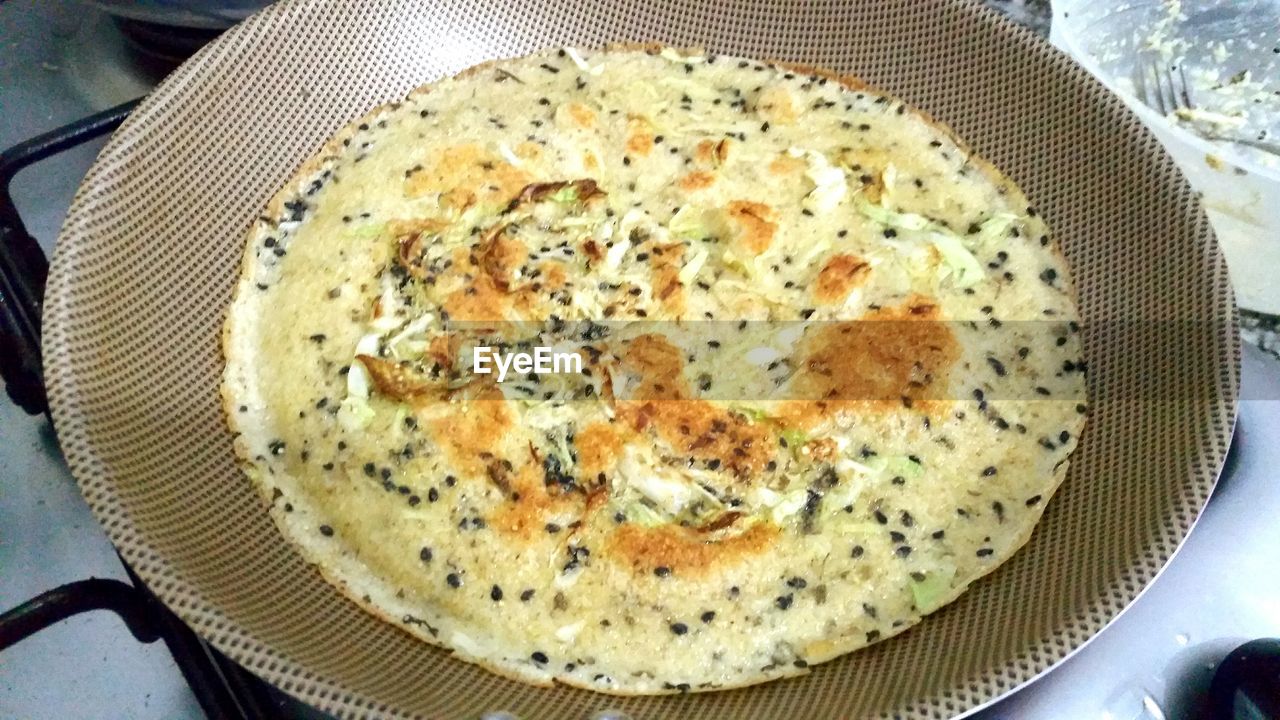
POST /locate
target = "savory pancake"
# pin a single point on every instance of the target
(829, 371)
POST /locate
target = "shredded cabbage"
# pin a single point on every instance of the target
(674, 56)
(960, 263)
(581, 63)
(762, 355)
(641, 514)
(794, 438)
(354, 414)
(567, 633)
(566, 194)
(669, 494)
(892, 218)
(790, 504)
(964, 267)
(368, 231)
(829, 181)
(510, 157)
(691, 268)
(929, 593)
(689, 223)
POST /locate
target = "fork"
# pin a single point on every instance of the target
(1168, 92)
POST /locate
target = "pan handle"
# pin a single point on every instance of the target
(23, 266)
(74, 598)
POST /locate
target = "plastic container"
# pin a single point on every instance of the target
(1240, 188)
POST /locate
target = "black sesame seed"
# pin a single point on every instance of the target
(989, 470)
(679, 628)
(495, 593)
(783, 601)
(997, 366)
(526, 595)
(454, 580)
(857, 551)
(984, 552)
(326, 531)
(797, 582)
(708, 616)
(902, 551)
(539, 656)
(425, 554)
(890, 233)
(1033, 500)
(662, 571)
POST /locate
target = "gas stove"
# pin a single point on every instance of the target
(63, 62)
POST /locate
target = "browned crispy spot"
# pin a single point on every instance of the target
(867, 166)
(412, 238)
(599, 446)
(529, 506)
(469, 434)
(720, 523)
(786, 165)
(467, 174)
(580, 115)
(755, 223)
(586, 190)
(393, 380)
(697, 180)
(500, 256)
(712, 153)
(776, 105)
(840, 275)
(554, 275)
(442, 349)
(639, 136)
(685, 551)
(528, 150)
(666, 261)
(482, 300)
(695, 428)
(886, 359)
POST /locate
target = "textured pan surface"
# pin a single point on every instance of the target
(151, 249)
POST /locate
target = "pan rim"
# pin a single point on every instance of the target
(156, 570)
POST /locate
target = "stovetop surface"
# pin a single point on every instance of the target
(60, 61)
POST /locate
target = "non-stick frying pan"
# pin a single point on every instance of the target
(145, 264)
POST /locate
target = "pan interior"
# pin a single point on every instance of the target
(147, 259)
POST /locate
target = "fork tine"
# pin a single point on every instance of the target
(1167, 89)
(1157, 93)
(1186, 88)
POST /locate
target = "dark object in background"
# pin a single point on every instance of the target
(1247, 683)
(203, 14)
